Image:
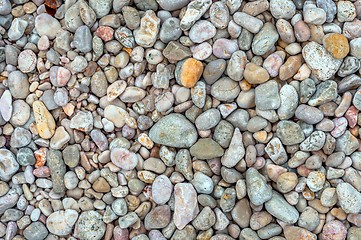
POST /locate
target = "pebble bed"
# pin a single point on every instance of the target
(180, 119)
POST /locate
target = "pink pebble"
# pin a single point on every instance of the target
(105, 33)
(334, 230)
(351, 116)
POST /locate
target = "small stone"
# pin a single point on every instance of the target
(282, 9)
(25, 157)
(83, 39)
(82, 121)
(325, 92)
(286, 182)
(252, 24)
(57, 168)
(46, 25)
(205, 219)
(224, 48)
(294, 233)
(308, 114)
(348, 197)
(6, 108)
(202, 31)
(225, 89)
(276, 151)
(265, 39)
(195, 11)
(186, 205)
(289, 132)
(188, 72)
(347, 143)
(235, 151)
(60, 138)
(335, 230)
(336, 44)
(17, 29)
(346, 11)
(202, 183)
(315, 180)
(123, 158)
(45, 122)
(101, 185)
(27, 61)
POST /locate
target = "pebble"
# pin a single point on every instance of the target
(267, 96)
(61, 223)
(36, 231)
(45, 122)
(123, 158)
(146, 35)
(265, 39)
(46, 25)
(90, 226)
(322, 64)
(186, 205)
(255, 74)
(206, 148)
(162, 189)
(282, 9)
(336, 44)
(174, 130)
(248, 22)
(188, 72)
(258, 190)
(9, 165)
(278, 207)
(195, 11)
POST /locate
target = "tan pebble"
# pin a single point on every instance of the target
(274, 171)
(287, 182)
(45, 123)
(255, 74)
(101, 185)
(290, 67)
(303, 72)
(339, 213)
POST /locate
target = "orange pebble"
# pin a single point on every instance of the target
(40, 156)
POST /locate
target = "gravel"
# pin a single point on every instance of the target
(165, 119)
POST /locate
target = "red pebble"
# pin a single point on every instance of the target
(43, 171)
(105, 33)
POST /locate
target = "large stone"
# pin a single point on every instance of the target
(185, 204)
(8, 164)
(348, 197)
(258, 190)
(158, 218)
(61, 222)
(235, 151)
(90, 226)
(321, 62)
(174, 130)
(289, 132)
(206, 148)
(281, 209)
